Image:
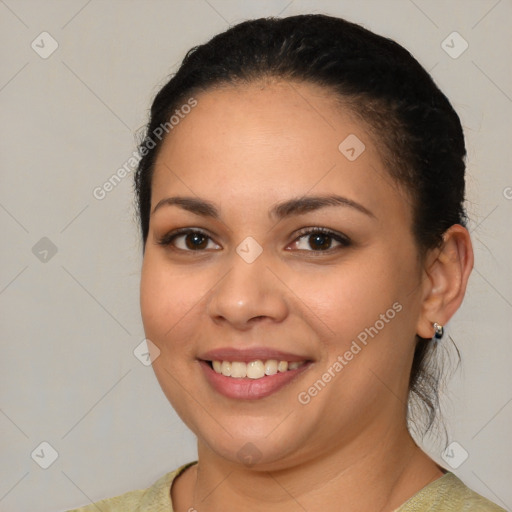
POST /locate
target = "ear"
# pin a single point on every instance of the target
(445, 278)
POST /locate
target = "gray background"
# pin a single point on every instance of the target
(70, 321)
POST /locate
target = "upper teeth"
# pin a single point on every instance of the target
(254, 369)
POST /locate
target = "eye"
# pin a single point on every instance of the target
(189, 240)
(319, 239)
(309, 239)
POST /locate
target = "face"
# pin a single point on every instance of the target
(272, 244)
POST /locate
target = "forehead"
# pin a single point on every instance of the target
(272, 139)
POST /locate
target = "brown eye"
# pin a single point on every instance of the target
(320, 239)
(189, 240)
(195, 241)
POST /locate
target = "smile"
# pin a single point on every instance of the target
(257, 369)
(251, 380)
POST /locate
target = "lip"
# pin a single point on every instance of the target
(250, 354)
(251, 389)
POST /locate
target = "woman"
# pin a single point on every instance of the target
(301, 195)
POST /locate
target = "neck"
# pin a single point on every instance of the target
(360, 477)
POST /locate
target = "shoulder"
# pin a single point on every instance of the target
(448, 494)
(128, 502)
(154, 498)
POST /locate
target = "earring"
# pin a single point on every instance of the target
(438, 331)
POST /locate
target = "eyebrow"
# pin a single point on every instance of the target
(296, 206)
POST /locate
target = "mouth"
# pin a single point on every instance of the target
(257, 369)
(251, 375)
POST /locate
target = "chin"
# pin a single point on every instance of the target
(256, 454)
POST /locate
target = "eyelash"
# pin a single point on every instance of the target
(343, 240)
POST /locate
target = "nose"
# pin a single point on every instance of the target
(248, 294)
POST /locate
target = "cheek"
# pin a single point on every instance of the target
(347, 299)
(167, 299)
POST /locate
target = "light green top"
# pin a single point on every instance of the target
(446, 494)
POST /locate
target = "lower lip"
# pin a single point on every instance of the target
(250, 389)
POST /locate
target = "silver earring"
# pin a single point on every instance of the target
(438, 331)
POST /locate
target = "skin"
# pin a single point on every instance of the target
(246, 149)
